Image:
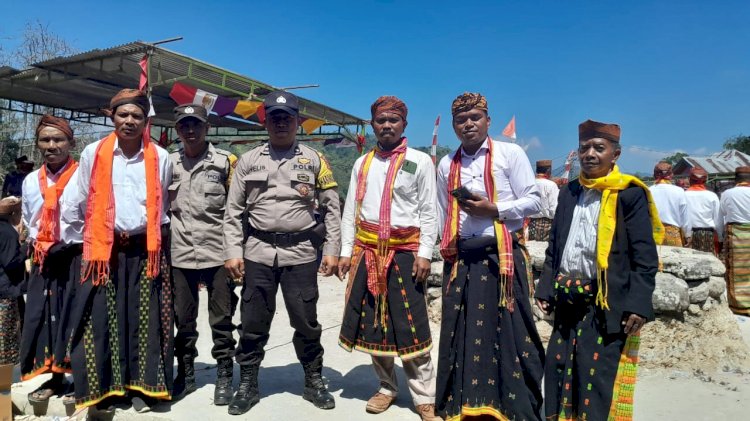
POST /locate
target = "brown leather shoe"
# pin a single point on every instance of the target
(379, 403)
(427, 412)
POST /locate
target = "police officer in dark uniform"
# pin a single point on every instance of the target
(275, 186)
(197, 194)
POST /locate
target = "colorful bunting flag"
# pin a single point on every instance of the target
(186, 94)
(311, 124)
(247, 108)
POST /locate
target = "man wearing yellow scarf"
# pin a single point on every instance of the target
(598, 278)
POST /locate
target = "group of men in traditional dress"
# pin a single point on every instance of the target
(121, 241)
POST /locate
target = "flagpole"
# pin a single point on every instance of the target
(433, 150)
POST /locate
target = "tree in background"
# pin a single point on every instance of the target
(674, 159)
(37, 43)
(739, 142)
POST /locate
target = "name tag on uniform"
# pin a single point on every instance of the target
(214, 176)
(409, 166)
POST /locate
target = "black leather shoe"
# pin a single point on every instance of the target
(247, 393)
(315, 390)
(223, 391)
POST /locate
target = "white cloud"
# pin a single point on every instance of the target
(531, 143)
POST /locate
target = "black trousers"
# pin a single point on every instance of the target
(299, 286)
(222, 302)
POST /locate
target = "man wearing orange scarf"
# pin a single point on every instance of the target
(735, 213)
(490, 356)
(123, 311)
(704, 214)
(389, 228)
(598, 278)
(672, 205)
(56, 251)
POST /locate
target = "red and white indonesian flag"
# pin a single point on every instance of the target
(186, 94)
(510, 129)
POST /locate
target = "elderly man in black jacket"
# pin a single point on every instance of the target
(598, 278)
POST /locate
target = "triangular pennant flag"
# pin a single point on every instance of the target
(224, 106)
(510, 129)
(261, 113)
(247, 108)
(206, 99)
(311, 124)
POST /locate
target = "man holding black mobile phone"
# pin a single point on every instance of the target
(491, 357)
(388, 232)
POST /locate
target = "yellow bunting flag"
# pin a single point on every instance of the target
(310, 125)
(247, 108)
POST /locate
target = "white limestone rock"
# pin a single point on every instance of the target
(698, 292)
(716, 286)
(671, 294)
(688, 264)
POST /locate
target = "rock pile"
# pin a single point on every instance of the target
(694, 328)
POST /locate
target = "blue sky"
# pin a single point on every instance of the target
(674, 74)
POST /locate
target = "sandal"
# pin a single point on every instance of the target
(51, 387)
(69, 398)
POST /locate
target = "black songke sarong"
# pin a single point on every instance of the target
(46, 332)
(491, 359)
(123, 337)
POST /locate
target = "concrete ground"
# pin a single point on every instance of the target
(659, 395)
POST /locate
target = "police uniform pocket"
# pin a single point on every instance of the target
(173, 191)
(256, 183)
(215, 195)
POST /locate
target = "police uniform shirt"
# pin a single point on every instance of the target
(277, 192)
(197, 197)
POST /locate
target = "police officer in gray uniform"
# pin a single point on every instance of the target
(275, 186)
(198, 193)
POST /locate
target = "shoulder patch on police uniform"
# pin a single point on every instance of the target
(409, 166)
(325, 174)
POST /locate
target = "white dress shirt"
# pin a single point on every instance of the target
(518, 196)
(413, 202)
(68, 232)
(671, 202)
(704, 210)
(735, 205)
(549, 191)
(129, 186)
(579, 256)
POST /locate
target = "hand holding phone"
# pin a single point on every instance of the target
(462, 194)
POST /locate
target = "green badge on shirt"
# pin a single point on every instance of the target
(409, 166)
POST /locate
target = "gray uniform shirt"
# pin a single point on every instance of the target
(197, 197)
(276, 192)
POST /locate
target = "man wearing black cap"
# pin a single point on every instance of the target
(12, 185)
(197, 195)
(540, 223)
(275, 186)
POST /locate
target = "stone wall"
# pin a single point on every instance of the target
(694, 328)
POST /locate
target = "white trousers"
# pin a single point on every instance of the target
(420, 376)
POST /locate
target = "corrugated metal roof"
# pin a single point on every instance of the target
(718, 163)
(85, 83)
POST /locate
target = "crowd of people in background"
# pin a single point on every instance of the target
(109, 253)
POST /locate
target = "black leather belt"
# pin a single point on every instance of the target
(283, 239)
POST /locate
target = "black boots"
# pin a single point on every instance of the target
(247, 392)
(223, 391)
(315, 390)
(184, 383)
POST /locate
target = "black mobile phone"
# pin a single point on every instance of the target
(462, 193)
